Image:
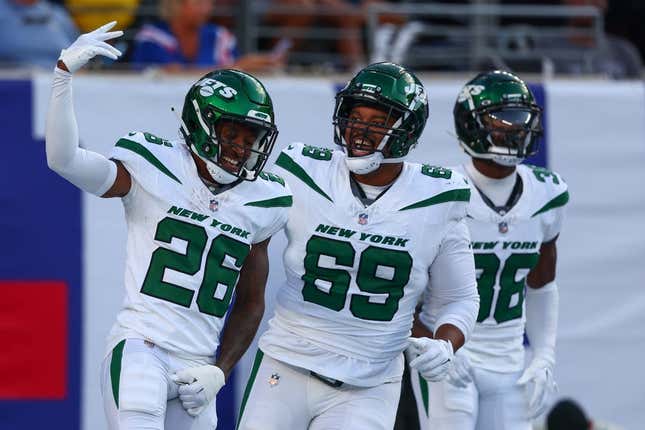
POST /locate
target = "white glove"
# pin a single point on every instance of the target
(198, 386)
(432, 358)
(538, 383)
(459, 374)
(89, 45)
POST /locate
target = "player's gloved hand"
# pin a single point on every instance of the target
(89, 45)
(198, 386)
(459, 374)
(432, 358)
(538, 383)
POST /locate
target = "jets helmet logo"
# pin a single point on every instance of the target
(208, 87)
(470, 90)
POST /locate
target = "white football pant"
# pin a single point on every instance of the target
(492, 401)
(283, 397)
(138, 393)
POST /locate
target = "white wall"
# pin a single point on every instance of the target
(596, 142)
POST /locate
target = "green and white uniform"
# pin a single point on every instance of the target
(185, 249)
(503, 259)
(506, 247)
(186, 245)
(354, 276)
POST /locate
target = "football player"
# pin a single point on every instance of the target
(200, 213)
(515, 216)
(365, 233)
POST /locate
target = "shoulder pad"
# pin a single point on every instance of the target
(299, 150)
(147, 139)
(444, 178)
(267, 191)
(309, 167)
(272, 177)
(145, 154)
(436, 171)
(443, 186)
(550, 189)
(546, 176)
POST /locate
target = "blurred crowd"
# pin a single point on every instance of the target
(328, 35)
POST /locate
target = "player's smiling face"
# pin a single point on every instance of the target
(235, 142)
(366, 128)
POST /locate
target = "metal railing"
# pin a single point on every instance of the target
(477, 33)
(440, 36)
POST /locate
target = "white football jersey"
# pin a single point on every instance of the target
(186, 245)
(355, 273)
(506, 248)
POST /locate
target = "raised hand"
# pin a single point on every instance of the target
(89, 45)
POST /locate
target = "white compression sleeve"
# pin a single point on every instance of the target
(542, 319)
(452, 297)
(87, 170)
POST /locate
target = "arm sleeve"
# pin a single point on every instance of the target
(452, 297)
(542, 319)
(87, 170)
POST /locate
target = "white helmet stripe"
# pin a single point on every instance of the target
(199, 117)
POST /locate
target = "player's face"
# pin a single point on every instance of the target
(366, 128)
(235, 140)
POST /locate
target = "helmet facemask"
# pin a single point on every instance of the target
(221, 152)
(371, 143)
(508, 134)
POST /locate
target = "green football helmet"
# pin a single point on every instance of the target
(400, 95)
(497, 118)
(228, 95)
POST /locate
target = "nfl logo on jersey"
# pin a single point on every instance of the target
(274, 380)
(362, 219)
(214, 205)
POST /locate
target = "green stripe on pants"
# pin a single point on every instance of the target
(423, 386)
(115, 370)
(249, 385)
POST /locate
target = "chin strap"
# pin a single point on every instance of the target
(221, 176)
(369, 163)
(365, 164)
(502, 159)
(507, 160)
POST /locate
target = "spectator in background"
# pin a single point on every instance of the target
(615, 58)
(611, 56)
(33, 32)
(307, 16)
(185, 40)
